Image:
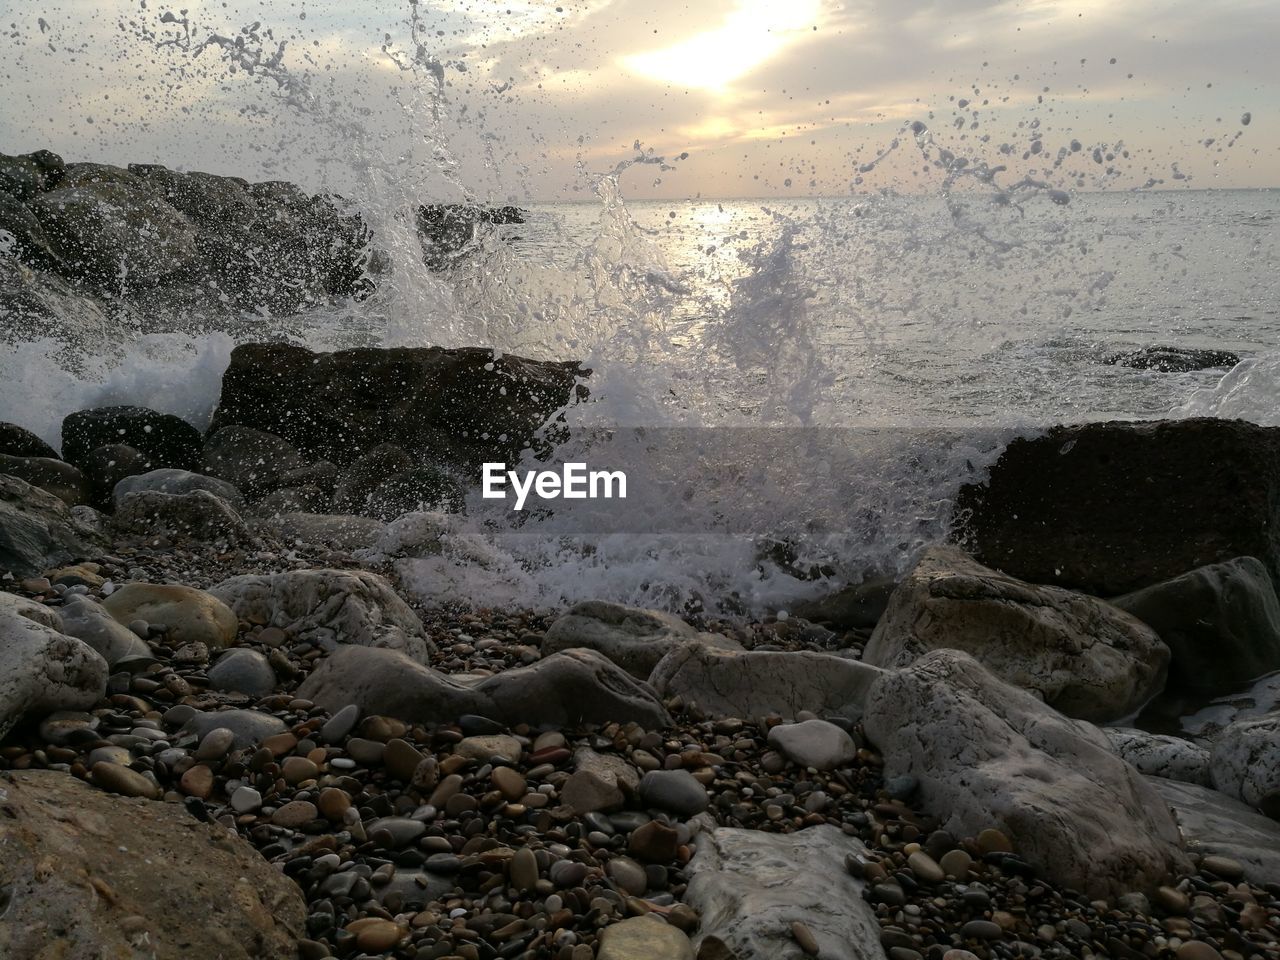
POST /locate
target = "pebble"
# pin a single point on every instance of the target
(993, 841)
(813, 743)
(956, 863)
(925, 867)
(1223, 867)
(488, 747)
(245, 800)
(1197, 950)
(524, 870)
(401, 759)
(120, 779)
(675, 791)
(216, 744)
(294, 814)
(340, 724)
(803, 935)
(509, 783)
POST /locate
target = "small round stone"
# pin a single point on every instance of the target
(294, 814)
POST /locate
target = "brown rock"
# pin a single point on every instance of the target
(401, 759)
(197, 782)
(295, 814)
(333, 803)
(120, 779)
(654, 842)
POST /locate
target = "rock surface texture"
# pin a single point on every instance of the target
(1086, 658)
(1112, 507)
(988, 754)
(43, 670)
(1215, 824)
(37, 530)
(89, 874)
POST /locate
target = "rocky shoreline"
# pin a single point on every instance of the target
(206, 673)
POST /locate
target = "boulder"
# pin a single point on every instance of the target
(106, 466)
(29, 174)
(13, 605)
(37, 530)
(469, 404)
(1221, 623)
(1160, 755)
(328, 608)
(858, 606)
(729, 683)
(88, 621)
(115, 233)
(559, 691)
(644, 938)
(1214, 824)
(749, 887)
(90, 874)
(168, 440)
(1080, 654)
(251, 460)
(188, 615)
(61, 479)
(199, 515)
(177, 483)
(633, 638)
(387, 483)
(988, 754)
(1112, 507)
(241, 670)
(43, 670)
(813, 743)
(16, 441)
(1245, 761)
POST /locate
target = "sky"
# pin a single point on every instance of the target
(521, 100)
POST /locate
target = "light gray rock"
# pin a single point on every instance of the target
(988, 754)
(13, 605)
(329, 608)
(1213, 823)
(727, 683)
(243, 671)
(640, 938)
(813, 743)
(86, 620)
(337, 531)
(1245, 760)
(38, 531)
(676, 791)
(1221, 623)
(562, 690)
(198, 515)
(1160, 755)
(177, 482)
(633, 638)
(248, 727)
(1084, 657)
(43, 671)
(750, 886)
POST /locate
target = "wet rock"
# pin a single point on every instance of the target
(1245, 760)
(1086, 658)
(43, 671)
(633, 638)
(16, 441)
(858, 606)
(198, 515)
(154, 869)
(1214, 823)
(29, 174)
(749, 887)
(38, 531)
(457, 405)
(53, 476)
(106, 466)
(1173, 359)
(1112, 507)
(987, 753)
(167, 440)
(243, 671)
(1159, 755)
(1221, 623)
(248, 727)
(725, 683)
(189, 615)
(561, 690)
(88, 621)
(251, 460)
(339, 532)
(329, 608)
(177, 483)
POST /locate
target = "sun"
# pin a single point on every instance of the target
(756, 31)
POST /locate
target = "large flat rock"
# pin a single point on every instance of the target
(1213, 823)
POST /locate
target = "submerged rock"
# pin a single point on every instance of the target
(88, 874)
(1112, 507)
(728, 683)
(1173, 359)
(329, 608)
(633, 638)
(38, 531)
(1221, 623)
(988, 754)
(1085, 657)
(750, 888)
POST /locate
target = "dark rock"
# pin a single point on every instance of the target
(1112, 507)
(858, 606)
(54, 476)
(252, 460)
(106, 466)
(178, 483)
(1221, 622)
(1173, 359)
(29, 174)
(294, 500)
(170, 441)
(30, 242)
(16, 441)
(422, 488)
(37, 530)
(448, 229)
(199, 515)
(441, 405)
